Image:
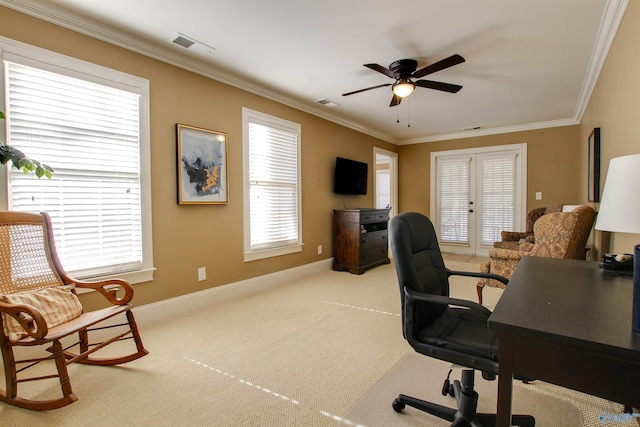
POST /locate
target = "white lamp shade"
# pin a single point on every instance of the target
(620, 204)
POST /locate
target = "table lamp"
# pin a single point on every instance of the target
(620, 213)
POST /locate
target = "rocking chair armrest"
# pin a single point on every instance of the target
(111, 289)
(29, 318)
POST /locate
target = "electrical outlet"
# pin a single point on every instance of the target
(539, 195)
(202, 274)
(319, 249)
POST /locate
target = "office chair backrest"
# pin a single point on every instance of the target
(419, 263)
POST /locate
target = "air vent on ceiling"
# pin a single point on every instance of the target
(183, 41)
(327, 102)
(193, 45)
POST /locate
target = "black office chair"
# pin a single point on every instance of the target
(449, 329)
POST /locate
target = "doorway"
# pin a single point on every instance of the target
(386, 180)
(477, 193)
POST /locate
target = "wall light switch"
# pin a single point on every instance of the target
(202, 274)
(539, 195)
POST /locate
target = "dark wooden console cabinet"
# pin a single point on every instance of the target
(360, 239)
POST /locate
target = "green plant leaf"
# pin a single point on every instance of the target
(21, 161)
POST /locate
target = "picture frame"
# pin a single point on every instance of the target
(594, 166)
(202, 167)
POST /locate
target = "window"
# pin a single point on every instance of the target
(271, 156)
(90, 124)
(454, 177)
(497, 194)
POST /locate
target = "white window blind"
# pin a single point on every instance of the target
(89, 134)
(498, 195)
(453, 198)
(273, 186)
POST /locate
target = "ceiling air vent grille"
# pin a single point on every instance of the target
(327, 102)
(183, 41)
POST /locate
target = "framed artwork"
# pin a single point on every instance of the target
(202, 166)
(594, 165)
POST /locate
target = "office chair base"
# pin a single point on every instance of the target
(465, 415)
(456, 418)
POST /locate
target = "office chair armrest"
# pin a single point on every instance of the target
(439, 299)
(497, 277)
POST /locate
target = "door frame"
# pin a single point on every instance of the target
(521, 193)
(393, 175)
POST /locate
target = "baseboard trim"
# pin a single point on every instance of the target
(149, 314)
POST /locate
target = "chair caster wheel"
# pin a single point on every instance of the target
(397, 405)
(445, 387)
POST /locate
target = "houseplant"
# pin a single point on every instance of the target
(21, 161)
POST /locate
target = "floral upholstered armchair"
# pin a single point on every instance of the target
(557, 235)
(511, 239)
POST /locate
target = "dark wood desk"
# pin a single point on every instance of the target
(567, 322)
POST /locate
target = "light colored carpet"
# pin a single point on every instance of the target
(301, 354)
(422, 377)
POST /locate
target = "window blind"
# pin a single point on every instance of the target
(273, 186)
(498, 195)
(453, 199)
(89, 134)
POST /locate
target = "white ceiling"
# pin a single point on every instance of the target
(529, 63)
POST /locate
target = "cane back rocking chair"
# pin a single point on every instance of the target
(39, 308)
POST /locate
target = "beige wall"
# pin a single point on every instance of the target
(614, 107)
(186, 237)
(557, 157)
(552, 167)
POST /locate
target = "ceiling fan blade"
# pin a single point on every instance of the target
(381, 69)
(396, 100)
(368, 88)
(446, 87)
(440, 65)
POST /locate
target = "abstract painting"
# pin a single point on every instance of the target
(202, 166)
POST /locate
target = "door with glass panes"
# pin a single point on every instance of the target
(475, 195)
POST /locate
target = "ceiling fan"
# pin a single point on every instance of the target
(404, 70)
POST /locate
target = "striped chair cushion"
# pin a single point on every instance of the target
(56, 304)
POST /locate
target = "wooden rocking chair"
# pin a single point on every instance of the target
(39, 307)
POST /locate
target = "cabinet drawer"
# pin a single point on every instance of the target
(374, 216)
(377, 239)
(373, 255)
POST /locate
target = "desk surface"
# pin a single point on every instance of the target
(569, 302)
(567, 322)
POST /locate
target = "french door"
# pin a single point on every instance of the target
(475, 194)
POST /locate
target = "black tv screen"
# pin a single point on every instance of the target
(350, 177)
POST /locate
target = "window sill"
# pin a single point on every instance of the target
(132, 277)
(269, 253)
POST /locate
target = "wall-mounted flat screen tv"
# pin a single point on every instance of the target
(350, 177)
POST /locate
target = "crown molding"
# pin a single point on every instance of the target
(41, 9)
(614, 12)
(94, 29)
(492, 131)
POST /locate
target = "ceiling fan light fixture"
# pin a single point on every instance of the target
(403, 88)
